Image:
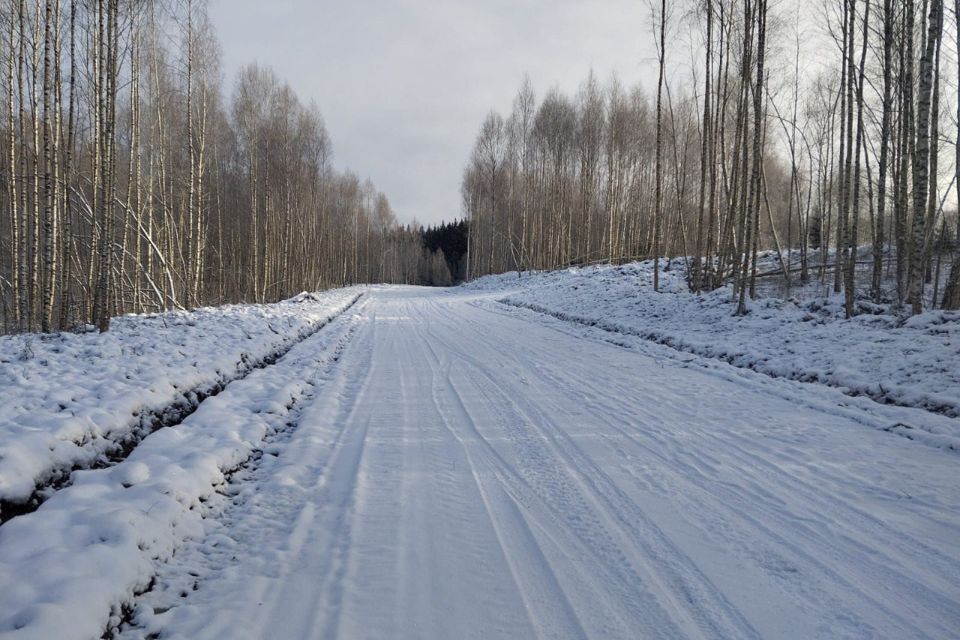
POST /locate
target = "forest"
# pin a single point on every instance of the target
(132, 183)
(840, 155)
(133, 180)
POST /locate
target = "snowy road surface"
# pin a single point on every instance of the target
(476, 471)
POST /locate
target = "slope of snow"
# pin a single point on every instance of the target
(67, 569)
(910, 361)
(70, 401)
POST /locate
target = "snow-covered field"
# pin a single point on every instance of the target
(439, 464)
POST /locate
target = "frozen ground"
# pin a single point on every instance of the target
(436, 464)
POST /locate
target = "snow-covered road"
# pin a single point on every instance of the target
(470, 470)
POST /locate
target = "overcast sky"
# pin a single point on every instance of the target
(404, 84)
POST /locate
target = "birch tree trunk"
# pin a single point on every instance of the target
(921, 162)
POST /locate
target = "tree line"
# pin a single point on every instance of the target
(446, 247)
(131, 183)
(747, 144)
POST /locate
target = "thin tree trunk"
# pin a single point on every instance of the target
(951, 295)
(657, 211)
(850, 282)
(15, 225)
(878, 237)
(753, 203)
(921, 162)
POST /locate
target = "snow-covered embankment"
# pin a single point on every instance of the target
(74, 564)
(71, 401)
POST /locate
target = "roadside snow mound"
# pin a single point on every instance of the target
(70, 401)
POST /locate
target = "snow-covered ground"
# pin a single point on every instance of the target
(438, 464)
(67, 569)
(74, 400)
(911, 361)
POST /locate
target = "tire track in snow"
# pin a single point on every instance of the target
(440, 514)
(549, 610)
(560, 513)
(872, 552)
(426, 562)
(660, 560)
(336, 496)
(875, 564)
(935, 560)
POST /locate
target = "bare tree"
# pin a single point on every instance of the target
(921, 162)
(658, 206)
(951, 295)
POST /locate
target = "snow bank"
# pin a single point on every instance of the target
(908, 361)
(71, 401)
(68, 569)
